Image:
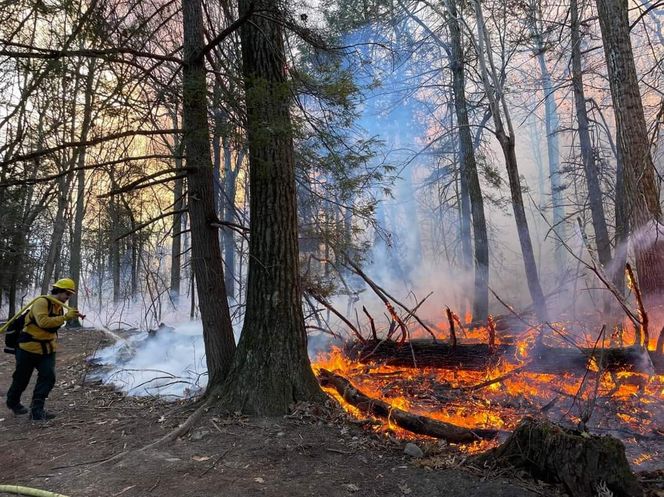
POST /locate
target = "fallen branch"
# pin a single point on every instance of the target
(386, 297)
(372, 323)
(415, 423)
(329, 306)
(498, 379)
(34, 492)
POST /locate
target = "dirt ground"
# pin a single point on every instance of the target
(311, 453)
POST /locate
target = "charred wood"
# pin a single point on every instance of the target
(415, 423)
(479, 357)
(583, 463)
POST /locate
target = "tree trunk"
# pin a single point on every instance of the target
(59, 226)
(271, 370)
(228, 211)
(469, 169)
(206, 253)
(494, 91)
(641, 190)
(178, 205)
(587, 153)
(622, 225)
(114, 262)
(552, 145)
(75, 259)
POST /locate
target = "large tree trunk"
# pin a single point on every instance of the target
(469, 169)
(587, 154)
(641, 188)
(495, 94)
(271, 370)
(206, 253)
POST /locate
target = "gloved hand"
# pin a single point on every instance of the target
(72, 314)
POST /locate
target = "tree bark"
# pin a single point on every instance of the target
(469, 168)
(590, 168)
(178, 205)
(415, 423)
(481, 356)
(641, 189)
(551, 123)
(494, 91)
(271, 370)
(75, 261)
(579, 461)
(206, 253)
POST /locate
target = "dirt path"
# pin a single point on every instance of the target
(222, 456)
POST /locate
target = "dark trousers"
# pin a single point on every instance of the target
(26, 363)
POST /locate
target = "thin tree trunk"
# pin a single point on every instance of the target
(551, 124)
(271, 370)
(76, 260)
(641, 190)
(114, 262)
(469, 169)
(228, 235)
(178, 205)
(206, 253)
(587, 154)
(494, 92)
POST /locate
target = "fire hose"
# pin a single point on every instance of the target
(32, 492)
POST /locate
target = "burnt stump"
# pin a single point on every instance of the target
(582, 463)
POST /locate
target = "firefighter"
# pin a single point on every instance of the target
(36, 350)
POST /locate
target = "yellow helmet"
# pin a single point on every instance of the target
(65, 284)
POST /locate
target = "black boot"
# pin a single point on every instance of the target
(17, 408)
(39, 414)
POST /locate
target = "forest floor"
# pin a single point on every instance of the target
(311, 453)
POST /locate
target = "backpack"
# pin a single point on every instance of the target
(13, 331)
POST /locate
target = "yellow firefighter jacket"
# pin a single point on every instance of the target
(41, 325)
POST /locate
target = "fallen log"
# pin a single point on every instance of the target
(583, 463)
(479, 357)
(429, 354)
(563, 360)
(415, 423)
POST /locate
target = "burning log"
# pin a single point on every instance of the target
(415, 423)
(583, 463)
(479, 357)
(429, 354)
(563, 360)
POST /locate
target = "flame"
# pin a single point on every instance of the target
(617, 401)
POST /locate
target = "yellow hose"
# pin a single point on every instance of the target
(33, 492)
